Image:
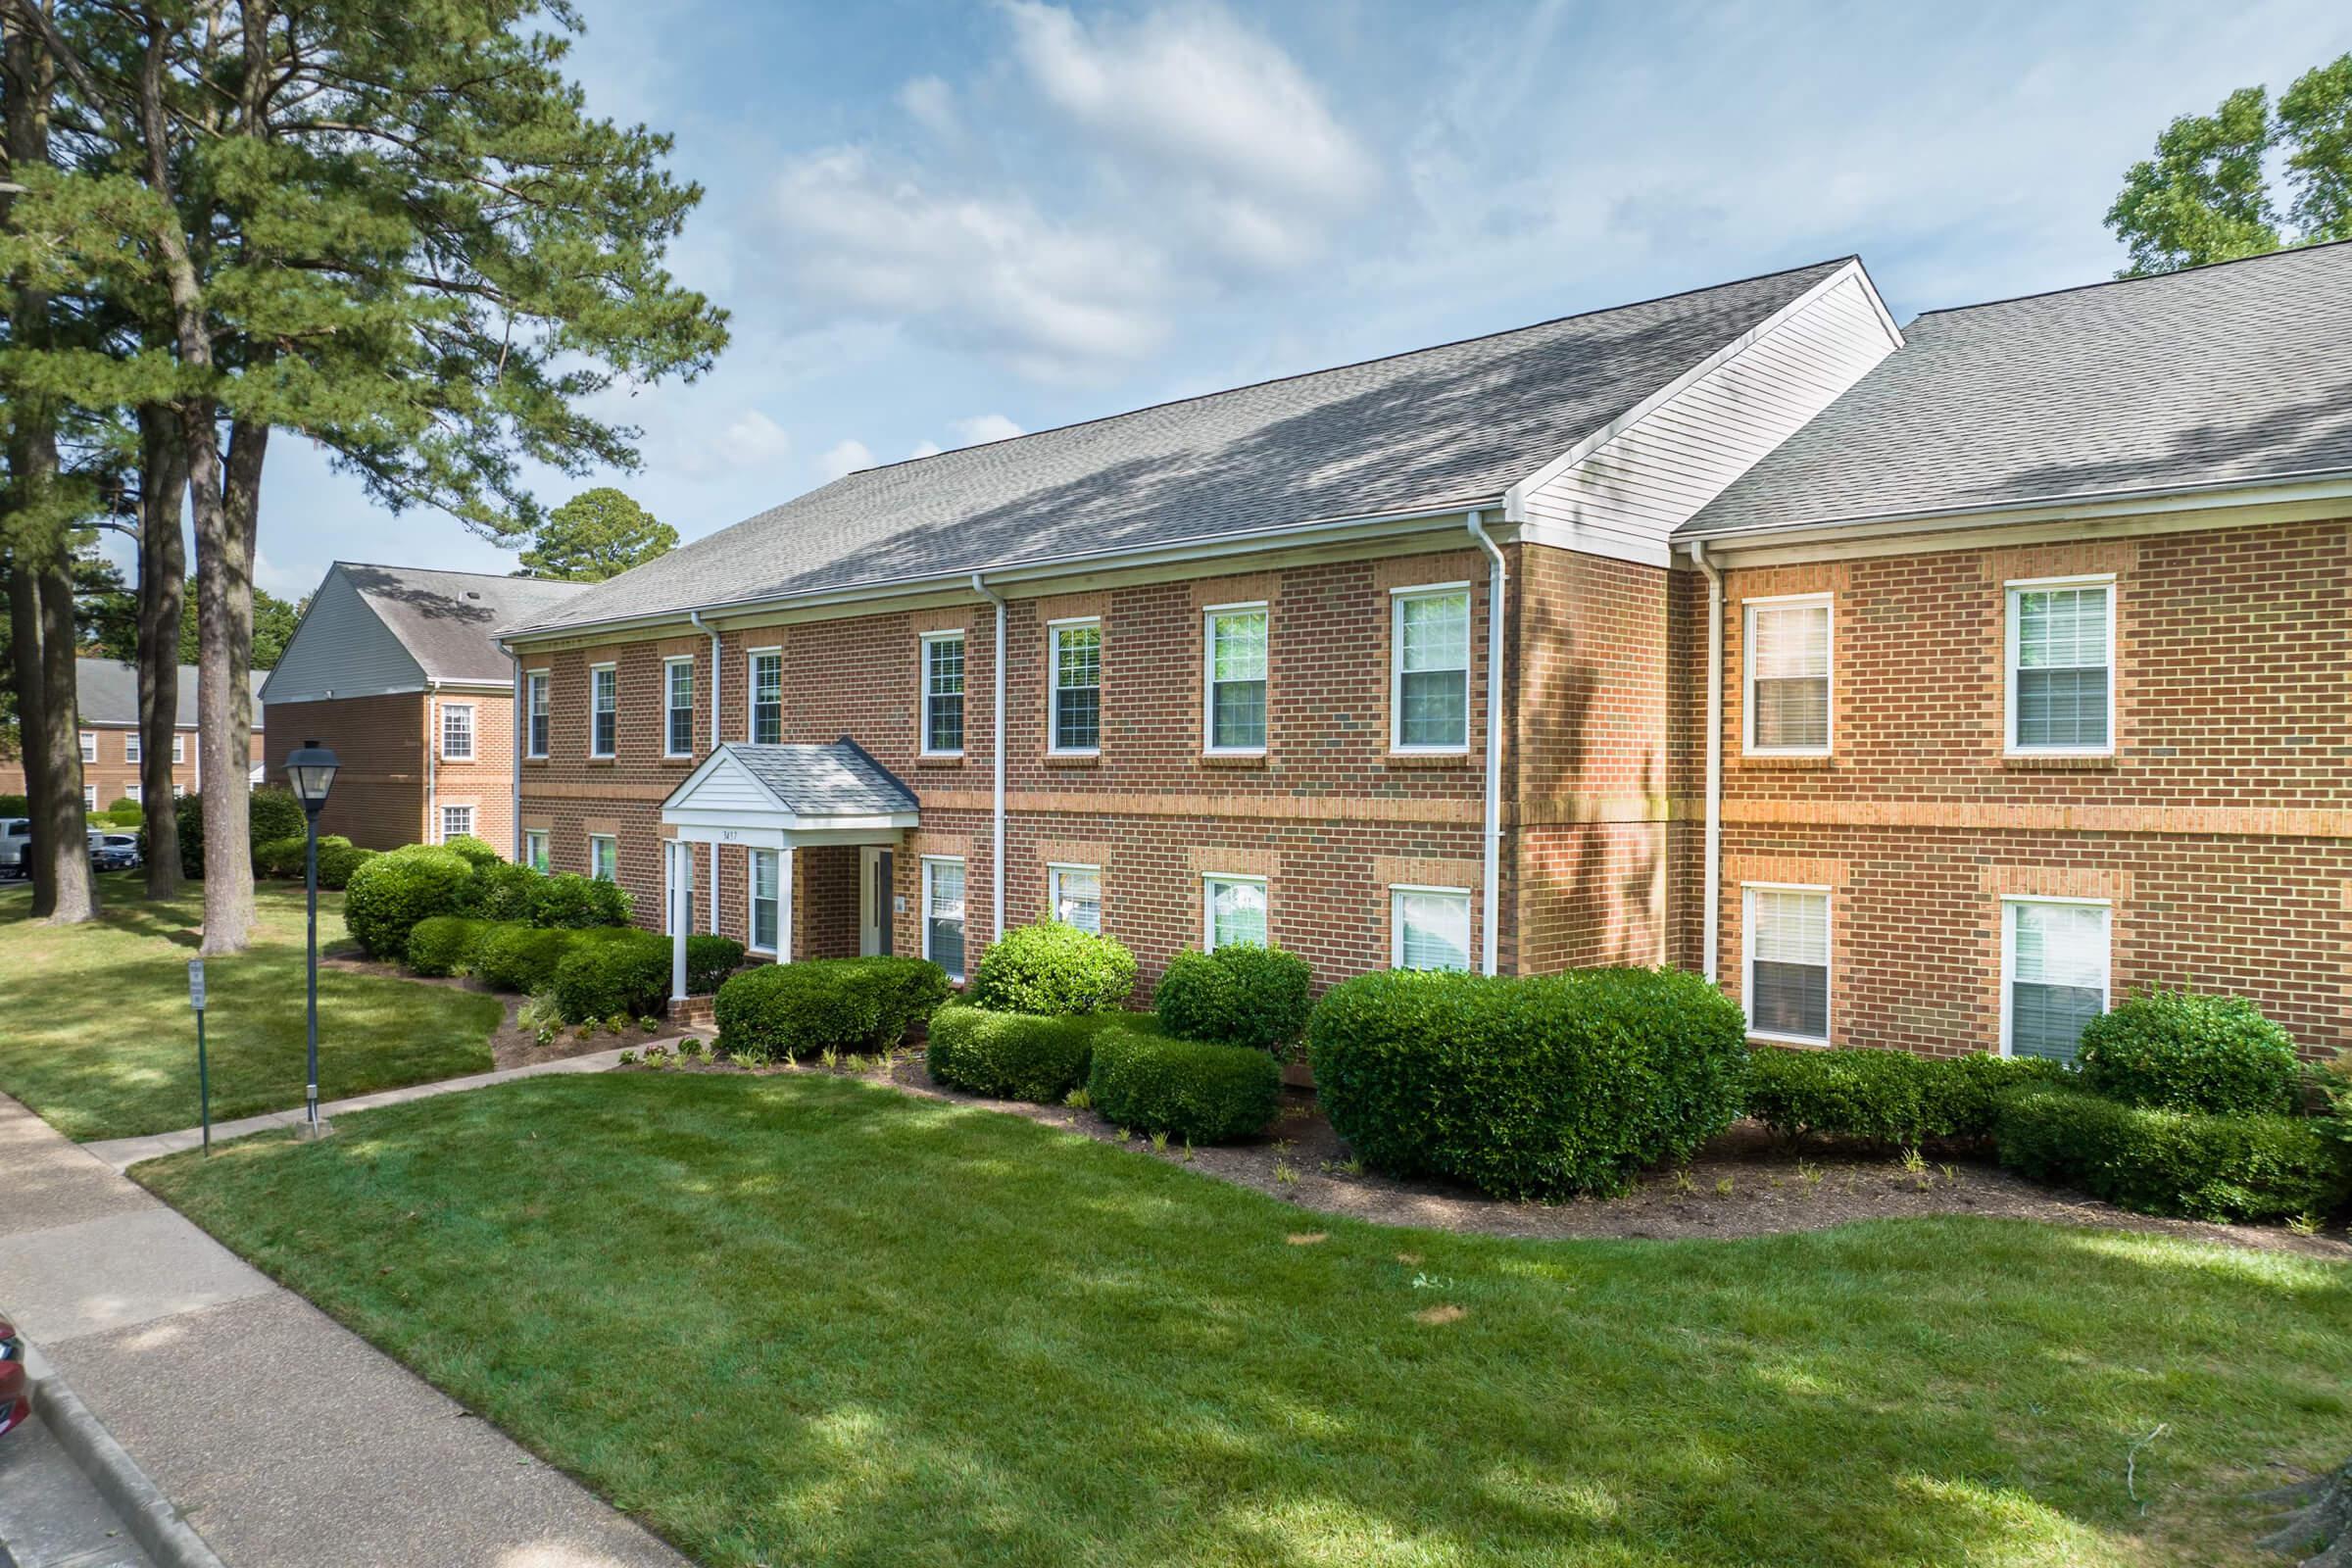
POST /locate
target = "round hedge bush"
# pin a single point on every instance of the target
(514, 957)
(388, 895)
(1885, 1096)
(1529, 1088)
(274, 813)
(500, 890)
(2180, 1051)
(1195, 1090)
(626, 972)
(1237, 996)
(569, 898)
(444, 944)
(283, 857)
(270, 813)
(2244, 1166)
(126, 813)
(1055, 969)
(814, 1004)
(474, 852)
(1013, 1055)
(709, 959)
(338, 858)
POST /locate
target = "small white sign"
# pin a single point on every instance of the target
(196, 983)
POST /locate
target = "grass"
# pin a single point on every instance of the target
(808, 1320)
(101, 1043)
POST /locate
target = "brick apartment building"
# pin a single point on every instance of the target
(2028, 628)
(399, 670)
(106, 697)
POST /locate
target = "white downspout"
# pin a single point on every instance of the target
(518, 720)
(695, 618)
(997, 760)
(1714, 849)
(1491, 880)
(432, 761)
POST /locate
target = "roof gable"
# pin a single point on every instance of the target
(371, 630)
(105, 691)
(790, 786)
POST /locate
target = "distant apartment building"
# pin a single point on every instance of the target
(105, 699)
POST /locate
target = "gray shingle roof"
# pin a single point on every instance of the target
(105, 691)
(449, 620)
(2225, 374)
(1423, 431)
(836, 780)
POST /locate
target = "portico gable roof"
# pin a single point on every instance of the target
(782, 795)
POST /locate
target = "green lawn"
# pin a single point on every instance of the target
(100, 1041)
(801, 1319)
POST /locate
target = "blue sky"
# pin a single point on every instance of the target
(942, 223)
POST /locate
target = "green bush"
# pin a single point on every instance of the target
(1237, 996)
(281, 858)
(626, 972)
(271, 813)
(338, 858)
(520, 958)
(1052, 968)
(474, 852)
(1196, 1090)
(1529, 1087)
(814, 1004)
(1885, 1097)
(569, 898)
(15, 805)
(276, 813)
(502, 890)
(388, 895)
(126, 813)
(1014, 1055)
(2335, 1085)
(445, 944)
(2180, 1051)
(709, 959)
(2158, 1161)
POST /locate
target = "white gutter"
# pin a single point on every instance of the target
(1491, 879)
(1714, 847)
(997, 761)
(694, 618)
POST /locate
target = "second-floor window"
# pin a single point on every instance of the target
(89, 747)
(535, 700)
(1234, 654)
(180, 749)
(1788, 676)
(767, 696)
(1429, 699)
(130, 746)
(2061, 641)
(1077, 686)
(943, 694)
(456, 733)
(677, 688)
(604, 709)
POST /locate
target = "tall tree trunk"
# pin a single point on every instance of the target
(163, 591)
(61, 828)
(32, 706)
(224, 698)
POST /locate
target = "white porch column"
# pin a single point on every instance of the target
(784, 903)
(680, 883)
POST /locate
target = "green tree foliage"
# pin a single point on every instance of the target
(2208, 195)
(597, 534)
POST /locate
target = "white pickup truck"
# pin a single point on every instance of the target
(15, 839)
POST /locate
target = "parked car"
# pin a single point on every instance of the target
(16, 846)
(14, 1406)
(113, 852)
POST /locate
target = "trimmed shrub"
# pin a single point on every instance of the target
(514, 957)
(1052, 968)
(1885, 1097)
(271, 813)
(281, 858)
(1014, 1055)
(569, 898)
(338, 858)
(626, 972)
(125, 811)
(2180, 1051)
(445, 944)
(502, 890)
(1538, 1086)
(709, 959)
(276, 813)
(388, 895)
(15, 805)
(814, 1004)
(2158, 1161)
(474, 852)
(1239, 996)
(1196, 1090)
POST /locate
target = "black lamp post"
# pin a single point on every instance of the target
(310, 771)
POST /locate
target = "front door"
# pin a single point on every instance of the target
(873, 902)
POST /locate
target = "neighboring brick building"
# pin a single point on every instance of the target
(1247, 668)
(398, 670)
(107, 701)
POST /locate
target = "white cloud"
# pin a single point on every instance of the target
(844, 457)
(982, 427)
(926, 449)
(931, 104)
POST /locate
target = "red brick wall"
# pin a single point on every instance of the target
(486, 783)
(378, 800)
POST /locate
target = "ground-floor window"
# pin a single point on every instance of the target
(942, 913)
(534, 848)
(456, 822)
(1074, 893)
(2054, 955)
(604, 856)
(1429, 928)
(1787, 944)
(765, 909)
(131, 793)
(1233, 911)
(89, 796)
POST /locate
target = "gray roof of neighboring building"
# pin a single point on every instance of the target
(105, 691)
(836, 780)
(1425, 431)
(2235, 374)
(449, 620)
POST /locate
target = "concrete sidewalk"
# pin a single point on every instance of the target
(285, 1438)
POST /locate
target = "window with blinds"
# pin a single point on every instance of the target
(1236, 911)
(1429, 928)
(1788, 648)
(535, 698)
(603, 858)
(767, 697)
(456, 733)
(1429, 699)
(1787, 942)
(1076, 896)
(764, 911)
(942, 915)
(1077, 686)
(2055, 955)
(943, 694)
(1236, 658)
(2061, 666)
(677, 728)
(604, 709)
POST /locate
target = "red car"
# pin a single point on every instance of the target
(16, 1406)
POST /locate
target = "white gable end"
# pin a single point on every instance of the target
(1623, 493)
(341, 649)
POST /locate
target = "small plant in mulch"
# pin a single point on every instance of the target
(656, 1055)
(691, 1047)
(628, 1058)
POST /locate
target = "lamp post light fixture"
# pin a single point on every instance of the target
(310, 771)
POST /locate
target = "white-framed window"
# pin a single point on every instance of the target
(942, 693)
(604, 709)
(1428, 668)
(767, 696)
(677, 705)
(130, 746)
(89, 746)
(1076, 681)
(535, 712)
(1429, 928)
(131, 793)
(456, 822)
(89, 796)
(1074, 894)
(534, 848)
(942, 913)
(1233, 679)
(1232, 910)
(179, 791)
(456, 733)
(604, 856)
(766, 911)
(179, 748)
(1787, 948)
(1789, 660)
(2054, 973)
(2061, 666)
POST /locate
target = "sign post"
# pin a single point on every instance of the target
(204, 1082)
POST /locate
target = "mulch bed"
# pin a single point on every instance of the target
(511, 1044)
